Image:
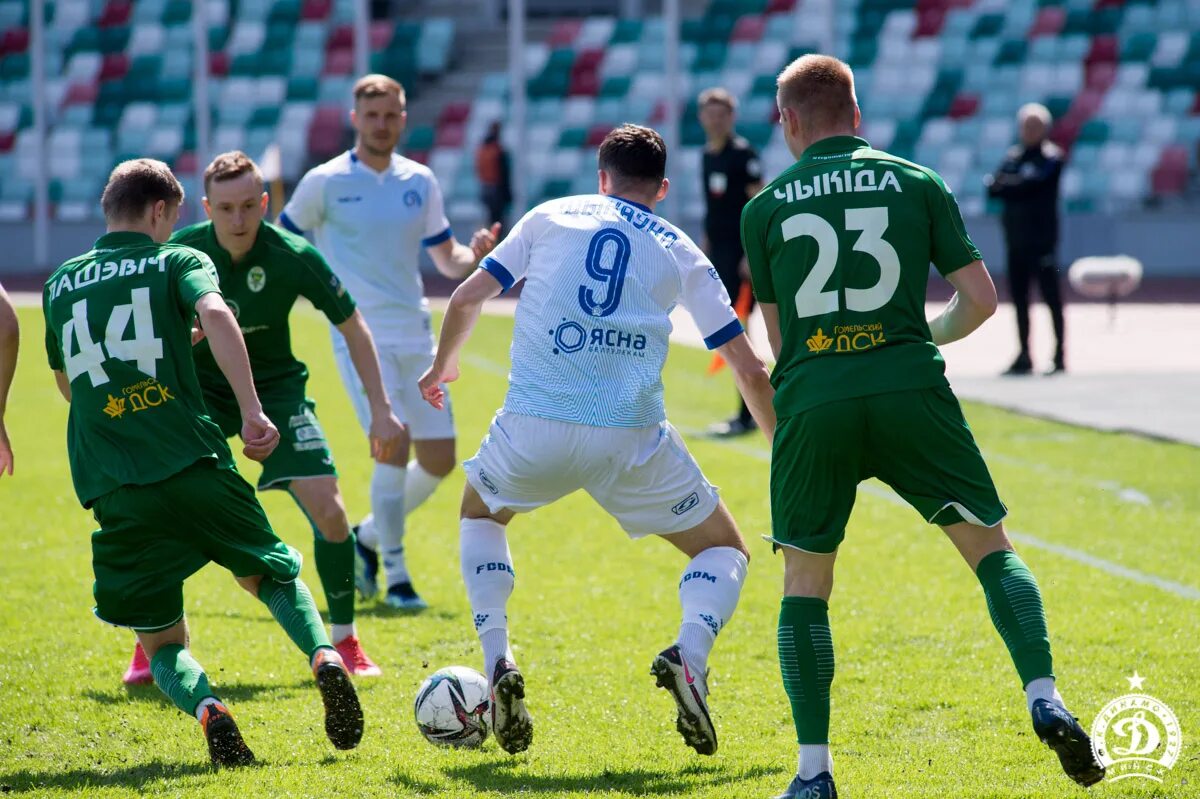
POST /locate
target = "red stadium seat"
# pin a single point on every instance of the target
(454, 114)
(963, 105)
(380, 34)
(316, 9)
(185, 164)
(14, 40)
(1168, 180)
(1174, 157)
(1196, 105)
(584, 84)
(1100, 75)
(115, 65)
(339, 62)
(81, 94)
(749, 28)
(342, 38)
(779, 6)
(7, 141)
(117, 12)
(596, 134)
(929, 22)
(1048, 22)
(326, 131)
(1104, 50)
(218, 64)
(588, 59)
(450, 135)
(420, 156)
(564, 33)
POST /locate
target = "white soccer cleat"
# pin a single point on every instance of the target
(690, 692)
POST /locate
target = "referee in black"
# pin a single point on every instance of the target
(1027, 183)
(732, 175)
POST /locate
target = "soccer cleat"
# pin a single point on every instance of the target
(343, 714)
(819, 787)
(1020, 367)
(356, 660)
(225, 744)
(737, 426)
(402, 596)
(688, 690)
(1060, 731)
(138, 672)
(366, 569)
(511, 722)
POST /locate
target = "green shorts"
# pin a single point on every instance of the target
(302, 451)
(153, 537)
(915, 441)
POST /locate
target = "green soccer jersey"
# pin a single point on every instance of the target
(261, 290)
(842, 242)
(119, 322)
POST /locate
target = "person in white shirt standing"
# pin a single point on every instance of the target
(371, 211)
(584, 410)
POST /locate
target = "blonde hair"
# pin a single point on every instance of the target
(820, 89)
(376, 85)
(230, 165)
(717, 95)
(1034, 110)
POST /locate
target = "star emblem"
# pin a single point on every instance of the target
(1135, 682)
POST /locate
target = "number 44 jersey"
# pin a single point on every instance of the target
(842, 242)
(118, 323)
(602, 275)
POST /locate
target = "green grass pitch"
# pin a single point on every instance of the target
(925, 701)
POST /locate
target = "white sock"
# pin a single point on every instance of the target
(488, 574)
(368, 534)
(341, 632)
(387, 506)
(814, 759)
(418, 486)
(1042, 688)
(708, 591)
(205, 702)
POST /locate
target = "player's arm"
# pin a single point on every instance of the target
(974, 301)
(462, 313)
(456, 260)
(10, 336)
(386, 430)
(64, 384)
(224, 336)
(770, 312)
(753, 381)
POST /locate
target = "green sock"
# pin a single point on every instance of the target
(806, 660)
(292, 606)
(335, 566)
(1015, 604)
(180, 677)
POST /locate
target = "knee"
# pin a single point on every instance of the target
(330, 521)
(251, 584)
(438, 464)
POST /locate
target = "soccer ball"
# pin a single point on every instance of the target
(452, 707)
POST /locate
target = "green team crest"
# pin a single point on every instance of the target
(256, 279)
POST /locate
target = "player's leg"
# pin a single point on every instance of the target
(816, 465)
(182, 679)
(1050, 286)
(1018, 287)
(333, 548)
(933, 462)
(434, 460)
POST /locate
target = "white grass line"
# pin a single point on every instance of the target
(1079, 556)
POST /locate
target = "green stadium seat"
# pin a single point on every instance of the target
(626, 31)
(615, 88)
(177, 12)
(420, 138)
(987, 26)
(302, 88)
(572, 137)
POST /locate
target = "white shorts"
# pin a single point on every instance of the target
(644, 477)
(401, 371)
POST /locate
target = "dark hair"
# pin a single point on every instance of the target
(135, 185)
(717, 95)
(230, 165)
(633, 154)
(375, 85)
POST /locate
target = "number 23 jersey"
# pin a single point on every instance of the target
(118, 322)
(842, 242)
(602, 275)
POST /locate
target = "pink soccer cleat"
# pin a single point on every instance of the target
(356, 660)
(138, 672)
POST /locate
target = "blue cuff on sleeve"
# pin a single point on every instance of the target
(497, 270)
(433, 241)
(288, 224)
(724, 335)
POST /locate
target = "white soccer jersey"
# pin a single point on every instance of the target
(371, 227)
(602, 275)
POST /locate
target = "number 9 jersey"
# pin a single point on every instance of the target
(842, 242)
(602, 275)
(118, 323)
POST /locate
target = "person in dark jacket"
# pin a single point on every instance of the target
(1027, 183)
(495, 179)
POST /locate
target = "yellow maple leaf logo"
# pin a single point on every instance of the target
(115, 407)
(819, 342)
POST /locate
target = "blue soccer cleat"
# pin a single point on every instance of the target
(1060, 731)
(819, 787)
(366, 569)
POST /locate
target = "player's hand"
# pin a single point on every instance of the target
(259, 437)
(431, 383)
(197, 332)
(6, 453)
(386, 436)
(484, 240)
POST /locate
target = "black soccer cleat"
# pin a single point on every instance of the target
(511, 722)
(1060, 731)
(225, 745)
(819, 787)
(690, 692)
(366, 569)
(402, 596)
(343, 713)
(732, 428)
